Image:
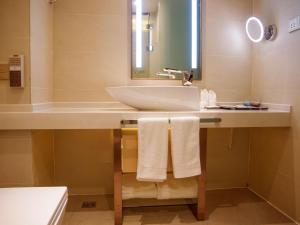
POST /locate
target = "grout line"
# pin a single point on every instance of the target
(275, 207)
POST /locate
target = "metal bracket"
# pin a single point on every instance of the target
(202, 120)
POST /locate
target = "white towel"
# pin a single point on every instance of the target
(185, 146)
(133, 189)
(178, 188)
(152, 149)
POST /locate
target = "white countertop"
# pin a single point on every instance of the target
(32, 206)
(108, 116)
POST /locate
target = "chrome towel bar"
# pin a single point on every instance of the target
(202, 120)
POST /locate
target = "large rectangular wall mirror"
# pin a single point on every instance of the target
(165, 34)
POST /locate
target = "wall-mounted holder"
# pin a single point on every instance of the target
(16, 71)
(268, 33)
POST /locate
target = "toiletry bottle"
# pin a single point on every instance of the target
(204, 99)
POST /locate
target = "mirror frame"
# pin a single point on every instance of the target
(200, 35)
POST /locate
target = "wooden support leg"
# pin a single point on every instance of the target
(202, 178)
(117, 177)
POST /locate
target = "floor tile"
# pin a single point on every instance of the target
(224, 207)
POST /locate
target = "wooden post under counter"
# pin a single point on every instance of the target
(118, 206)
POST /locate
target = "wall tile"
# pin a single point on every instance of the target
(14, 23)
(15, 159)
(84, 161)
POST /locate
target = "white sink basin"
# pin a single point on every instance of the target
(157, 97)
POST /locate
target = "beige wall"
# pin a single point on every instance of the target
(43, 157)
(90, 48)
(41, 50)
(227, 158)
(14, 39)
(226, 49)
(26, 158)
(84, 161)
(227, 70)
(26, 28)
(15, 159)
(275, 155)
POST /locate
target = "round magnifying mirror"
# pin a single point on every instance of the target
(255, 29)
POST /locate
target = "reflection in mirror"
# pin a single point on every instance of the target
(165, 34)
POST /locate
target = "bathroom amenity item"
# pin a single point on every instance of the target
(152, 149)
(208, 98)
(130, 151)
(227, 107)
(212, 98)
(242, 107)
(178, 188)
(213, 107)
(185, 146)
(204, 98)
(32, 206)
(250, 103)
(131, 188)
(169, 189)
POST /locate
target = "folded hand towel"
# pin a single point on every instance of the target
(185, 146)
(178, 188)
(152, 149)
(132, 189)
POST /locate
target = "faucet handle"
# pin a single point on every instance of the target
(187, 78)
(191, 77)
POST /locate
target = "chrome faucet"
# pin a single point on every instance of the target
(187, 77)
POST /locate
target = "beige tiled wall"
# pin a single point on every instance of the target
(84, 161)
(41, 51)
(90, 48)
(275, 155)
(43, 157)
(26, 158)
(227, 158)
(26, 28)
(15, 159)
(226, 49)
(14, 39)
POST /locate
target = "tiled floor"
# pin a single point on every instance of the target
(224, 207)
